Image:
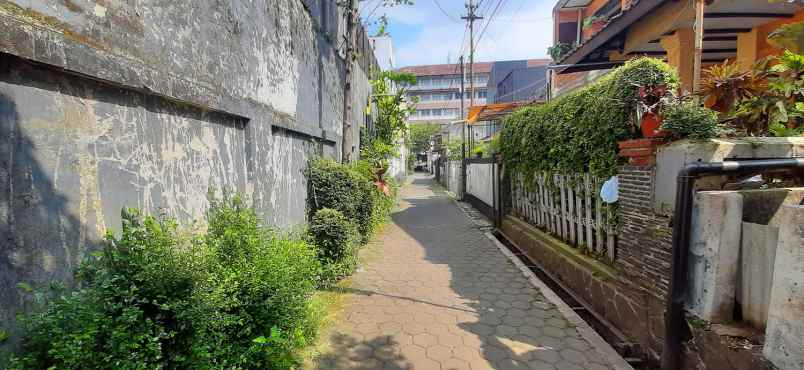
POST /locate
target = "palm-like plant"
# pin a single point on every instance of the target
(725, 85)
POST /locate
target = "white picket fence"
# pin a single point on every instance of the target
(569, 207)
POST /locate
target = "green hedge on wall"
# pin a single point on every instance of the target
(579, 132)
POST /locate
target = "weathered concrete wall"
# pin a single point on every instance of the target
(106, 104)
(784, 338)
(714, 254)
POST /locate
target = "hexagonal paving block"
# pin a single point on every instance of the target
(390, 328)
(564, 365)
(574, 356)
(495, 354)
(425, 339)
(506, 331)
(481, 329)
(455, 364)
(548, 355)
(439, 353)
(449, 339)
(554, 332)
(540, 365)
(413, 328)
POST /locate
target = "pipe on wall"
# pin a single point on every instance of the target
(675, 322)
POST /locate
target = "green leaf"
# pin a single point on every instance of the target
(782, 115)
(25, 287)
(260, 340)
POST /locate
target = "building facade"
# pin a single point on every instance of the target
(438, 90)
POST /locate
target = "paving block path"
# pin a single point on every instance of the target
(440, 294)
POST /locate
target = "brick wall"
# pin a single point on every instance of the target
(645, 242)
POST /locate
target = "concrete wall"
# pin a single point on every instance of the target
(151, 104)
(672, 157)
(734, 239)
(784, 338)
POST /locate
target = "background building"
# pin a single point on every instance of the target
(438, 89)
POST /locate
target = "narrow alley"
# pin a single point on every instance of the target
(440, 294)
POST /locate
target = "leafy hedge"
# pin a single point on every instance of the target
(350, 190)
(579, 132)
(234, 297)
(335, 238)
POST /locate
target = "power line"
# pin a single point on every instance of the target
(491, 19)
(445, 12)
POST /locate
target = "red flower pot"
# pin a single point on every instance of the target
(651, 125)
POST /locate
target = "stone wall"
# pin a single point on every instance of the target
(152, 104)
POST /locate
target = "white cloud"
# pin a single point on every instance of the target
(422, 34)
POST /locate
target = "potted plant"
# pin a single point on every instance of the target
(558, 50)
(651, 99)
(594, 23)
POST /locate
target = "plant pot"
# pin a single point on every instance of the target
(651, 125)
(593, 28)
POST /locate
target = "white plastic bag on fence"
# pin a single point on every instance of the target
(609, 193)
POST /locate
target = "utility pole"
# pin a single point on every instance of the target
(463, 133)
(351, 33)
(471, 17)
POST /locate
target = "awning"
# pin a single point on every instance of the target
(491, 112)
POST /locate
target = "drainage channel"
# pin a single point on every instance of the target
(611, 335)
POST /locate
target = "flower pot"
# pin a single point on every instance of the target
(651, 125)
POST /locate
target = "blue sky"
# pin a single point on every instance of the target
(423, 34)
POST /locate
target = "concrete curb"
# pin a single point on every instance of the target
(586, 331)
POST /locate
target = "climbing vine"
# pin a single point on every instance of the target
(579, 132)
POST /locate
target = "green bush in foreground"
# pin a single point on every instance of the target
(335, 238)
(236, 297)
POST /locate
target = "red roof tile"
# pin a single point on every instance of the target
(444, 69)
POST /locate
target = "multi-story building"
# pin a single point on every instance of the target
(438, 89)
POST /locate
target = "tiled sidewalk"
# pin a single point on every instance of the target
(441, 295)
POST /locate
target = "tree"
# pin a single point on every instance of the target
(393, 108)
(419, 136)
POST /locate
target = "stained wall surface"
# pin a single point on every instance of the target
(106, 104)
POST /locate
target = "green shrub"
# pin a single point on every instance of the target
(335, 238)
(579, 132)
(256, 303)
(350, 190)
(688, 120)
(131, 310)
(236, 297)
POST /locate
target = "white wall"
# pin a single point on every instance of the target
(479, 182)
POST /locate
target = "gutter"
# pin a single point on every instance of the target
(682, 221)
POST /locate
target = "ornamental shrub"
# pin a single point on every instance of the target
(335, 239)
(579, 132)
(235, 297)
(350, 190)
(689, 120)
(337, 186)
(255, 303)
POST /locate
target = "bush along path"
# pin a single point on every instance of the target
(437, 293)
(238, 295)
